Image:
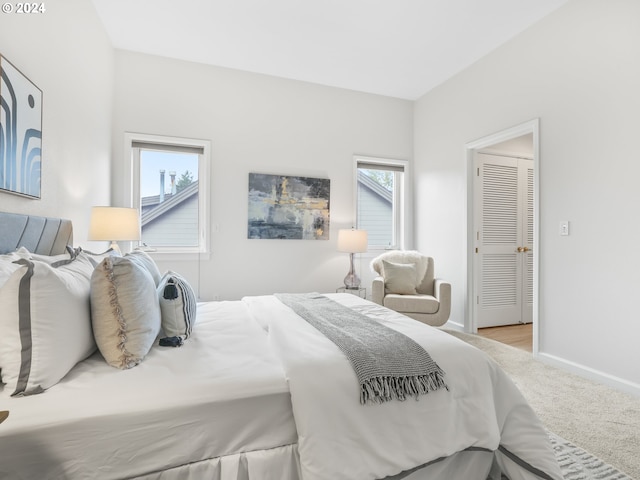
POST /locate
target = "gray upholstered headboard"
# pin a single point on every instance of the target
(42, 235)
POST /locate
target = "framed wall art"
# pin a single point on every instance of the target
(20, 132)
(288, 207)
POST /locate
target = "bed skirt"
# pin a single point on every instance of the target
(282, 463)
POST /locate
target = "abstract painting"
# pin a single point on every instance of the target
(20, 132)
(288, 207)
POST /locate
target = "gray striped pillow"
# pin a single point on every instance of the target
(177, 305)
(45, 325)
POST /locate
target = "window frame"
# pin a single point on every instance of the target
(401, 198)
(132, 180)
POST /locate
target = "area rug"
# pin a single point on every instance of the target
(578, 464)
(597, 419)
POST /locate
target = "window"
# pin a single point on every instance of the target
(169, 189)
(380, 201)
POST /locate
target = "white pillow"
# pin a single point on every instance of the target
(400, 278)
(53, 259)
(45, 324)
(177, 305)
(7, 267)
(125, 312)
(22, 252)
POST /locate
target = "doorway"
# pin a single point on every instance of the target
(518, 336)
(502, 202)
(503, 226)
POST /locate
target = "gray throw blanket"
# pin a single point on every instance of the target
(389, 365)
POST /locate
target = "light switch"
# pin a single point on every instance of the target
(564, 228)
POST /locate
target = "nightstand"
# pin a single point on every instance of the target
(359, 291)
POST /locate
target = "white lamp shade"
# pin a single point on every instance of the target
(352, 241)
(114, 224)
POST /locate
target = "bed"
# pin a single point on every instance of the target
(255, 392)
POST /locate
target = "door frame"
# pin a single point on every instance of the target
(532, 126)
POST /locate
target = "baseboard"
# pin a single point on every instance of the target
(459, 327)
(591, 374)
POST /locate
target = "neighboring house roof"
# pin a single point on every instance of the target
(151, 212)
(374, 186)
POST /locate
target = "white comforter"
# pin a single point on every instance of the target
(178, 412)
(338, 438)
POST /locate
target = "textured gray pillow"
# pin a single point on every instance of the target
(177, 305)
(143, 259)
(400, 278)
(124, 311)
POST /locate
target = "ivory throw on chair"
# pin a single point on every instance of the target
(406, 283)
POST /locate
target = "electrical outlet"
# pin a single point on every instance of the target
(564, 228)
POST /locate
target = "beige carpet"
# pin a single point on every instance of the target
(603, 421)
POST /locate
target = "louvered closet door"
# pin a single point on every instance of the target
(504, 240)
(526, 166)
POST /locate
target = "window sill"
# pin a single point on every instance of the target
(170, 255)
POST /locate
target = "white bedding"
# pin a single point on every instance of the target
(257, 394)
(220, 394)
(338, 438)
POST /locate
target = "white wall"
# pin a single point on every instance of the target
(65, 52)
(578, 71)
(263, 124)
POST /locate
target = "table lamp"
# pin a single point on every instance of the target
(352, 241)
(114, 224)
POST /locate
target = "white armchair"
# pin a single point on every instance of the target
(406, 283)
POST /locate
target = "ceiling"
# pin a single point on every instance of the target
(398, 48)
